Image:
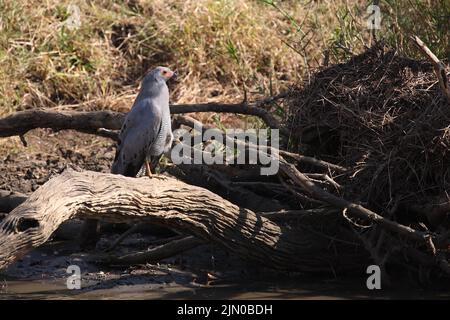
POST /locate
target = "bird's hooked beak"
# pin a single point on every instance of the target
(174, 75)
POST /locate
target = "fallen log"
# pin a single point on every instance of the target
(171, 203)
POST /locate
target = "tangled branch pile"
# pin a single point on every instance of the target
(384, 116)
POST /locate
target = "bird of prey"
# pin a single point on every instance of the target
(145, 135)
(146, 132)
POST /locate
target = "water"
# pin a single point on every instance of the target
(284, 289)
(203, 273)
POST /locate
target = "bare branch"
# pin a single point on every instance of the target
(439, 67)
(95, 122)
(21, 122)
(353, 209)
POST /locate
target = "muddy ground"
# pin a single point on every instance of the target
(205, 272)
(24, 169)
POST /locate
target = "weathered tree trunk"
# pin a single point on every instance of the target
(168, 202)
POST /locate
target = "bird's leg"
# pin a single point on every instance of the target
(149, 173)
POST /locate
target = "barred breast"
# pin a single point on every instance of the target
(164, 139)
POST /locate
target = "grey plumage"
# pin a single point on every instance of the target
(146, 132)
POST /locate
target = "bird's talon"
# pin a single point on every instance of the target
(155, 176)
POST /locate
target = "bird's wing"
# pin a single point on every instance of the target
(138, 133)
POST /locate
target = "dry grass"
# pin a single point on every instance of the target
(222, 48)
(218, 47)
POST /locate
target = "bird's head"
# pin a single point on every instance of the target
(161, 74)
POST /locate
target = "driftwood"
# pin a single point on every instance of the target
(171, 203)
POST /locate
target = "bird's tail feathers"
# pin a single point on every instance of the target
(119, 166)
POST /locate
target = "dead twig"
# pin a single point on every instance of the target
(439, 67)
(325, 178)
(294, 214)
(313, 161)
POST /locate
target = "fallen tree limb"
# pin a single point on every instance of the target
(21, 122)
(353, 209)
(169, 203)
(192, 123)
(95, 122)
(241, 108)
